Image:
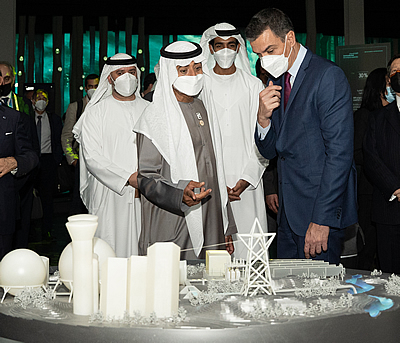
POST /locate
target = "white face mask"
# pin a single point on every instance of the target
(126, 84)
(225, 57)
(189, 85)
(276, 65)
(90, 92)
(40, 105)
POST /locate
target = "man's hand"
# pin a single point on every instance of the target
(316, 240)
(397, 194)
(229, 244)
(269, 99)
(190, 198)
(272, 202)
(234, 193)
(132, 181)
(7, 164)
(74, 163)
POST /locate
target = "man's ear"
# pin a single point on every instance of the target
(291, 38)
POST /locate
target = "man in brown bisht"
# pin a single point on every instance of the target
(181, 174)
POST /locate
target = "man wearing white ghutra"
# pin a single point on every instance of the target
(181, 172)
(108, 169)
(235, 93)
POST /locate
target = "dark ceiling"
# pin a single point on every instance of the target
(183, 17)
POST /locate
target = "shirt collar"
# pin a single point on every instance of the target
(44, 114)
(9, 95)
(9, 99)
(398, 102)
(297, 63)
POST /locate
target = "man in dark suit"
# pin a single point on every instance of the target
(382, 167)
(49, 127)
(8, 97)
(24, 187)
(24, 184)
(305, 117)
(16, 157)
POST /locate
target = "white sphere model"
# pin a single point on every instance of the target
(22, 267)
(100, 247)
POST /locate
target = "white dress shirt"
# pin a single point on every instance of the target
(45, 139)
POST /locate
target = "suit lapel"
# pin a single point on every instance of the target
(6, 122)
(393, 116)
(297, 84)
(278, 113)
(13, 104)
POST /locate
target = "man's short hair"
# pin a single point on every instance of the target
(270, 18)
(10, 68)
(395, 57)
(90, 77)
(40, 91)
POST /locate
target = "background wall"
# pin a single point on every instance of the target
(63, 41)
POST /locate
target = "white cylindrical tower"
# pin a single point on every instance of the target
(82, 233)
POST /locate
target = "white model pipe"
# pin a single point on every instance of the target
(82, 233)
(83, 218)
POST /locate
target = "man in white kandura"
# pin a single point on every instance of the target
(235, 93)
(108, 154)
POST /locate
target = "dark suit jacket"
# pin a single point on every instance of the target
(382, 162)
(270, 178)
(21, 181)
(13, 142)
(360, 128)
(313, 139)
(56, 129)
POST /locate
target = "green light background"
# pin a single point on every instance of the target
(326, 47)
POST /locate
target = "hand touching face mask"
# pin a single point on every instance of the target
(276, 65)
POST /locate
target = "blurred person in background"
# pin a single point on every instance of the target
(377, 94)
(382, 167)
